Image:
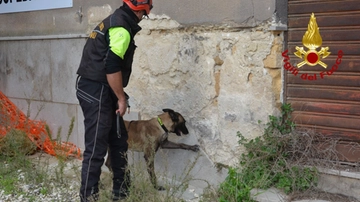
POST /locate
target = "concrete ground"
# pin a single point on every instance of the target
(274, 195)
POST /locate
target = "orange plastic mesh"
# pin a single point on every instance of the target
(12, 118)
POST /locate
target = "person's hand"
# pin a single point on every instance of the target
(122, 107)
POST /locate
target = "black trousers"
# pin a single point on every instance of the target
(98, 103)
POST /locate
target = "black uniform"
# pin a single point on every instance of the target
(98, 103)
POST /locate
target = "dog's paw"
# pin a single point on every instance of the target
(195, 148)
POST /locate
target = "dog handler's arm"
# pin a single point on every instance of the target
(115, 82)
(119, 42)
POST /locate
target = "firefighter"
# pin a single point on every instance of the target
(103, 73)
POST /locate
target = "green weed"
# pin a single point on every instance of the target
(265, 163)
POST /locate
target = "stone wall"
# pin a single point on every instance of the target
(222, 81)
(221, 78)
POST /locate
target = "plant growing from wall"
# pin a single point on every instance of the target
(265, 163)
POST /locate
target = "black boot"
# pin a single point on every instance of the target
(121, 188)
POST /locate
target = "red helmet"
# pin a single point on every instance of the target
(138, 5)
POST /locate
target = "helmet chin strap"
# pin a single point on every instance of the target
(137, 15)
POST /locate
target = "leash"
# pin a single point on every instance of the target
(118, 130)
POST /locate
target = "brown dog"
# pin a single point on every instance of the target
(149, 135)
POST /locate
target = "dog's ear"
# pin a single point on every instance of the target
(173, 115)
(168, 110)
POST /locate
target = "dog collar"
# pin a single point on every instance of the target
(162, 125)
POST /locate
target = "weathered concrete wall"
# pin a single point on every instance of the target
(38, 75)
(217, 79)
(233, 13)
(222, 70)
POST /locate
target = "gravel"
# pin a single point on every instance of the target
(33, 193)
(60, 185)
